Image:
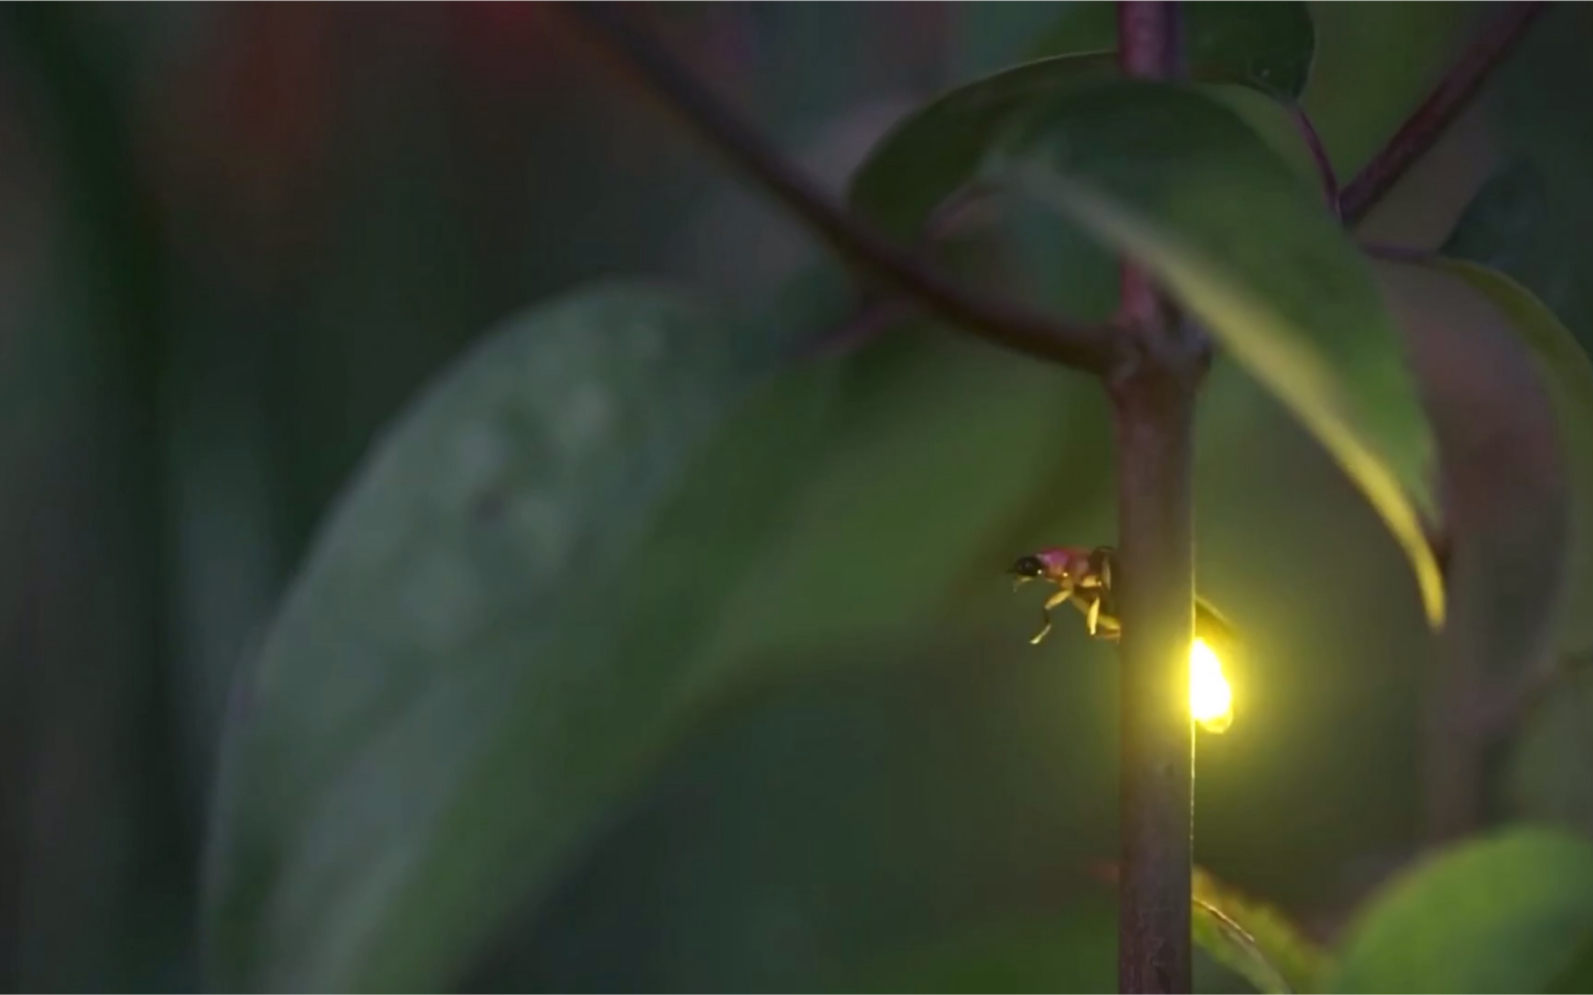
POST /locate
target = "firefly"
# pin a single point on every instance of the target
(1084, 576)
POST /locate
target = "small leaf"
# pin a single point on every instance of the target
(1253, 940)
(490, 639)
(1170, 176)
(1266, 45)
(1506, 913)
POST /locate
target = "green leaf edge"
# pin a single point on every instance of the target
(1567, 373)
(1402, 888)
(1402, 505)
(1266, 948)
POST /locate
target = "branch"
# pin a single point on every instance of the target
(1530, 692)
(1324, 165)
(1085, 347)
(1153, 406)
(1441, 107)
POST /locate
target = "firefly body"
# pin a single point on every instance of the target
(1084, 577)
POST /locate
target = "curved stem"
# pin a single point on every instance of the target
(1441, 107)
(1087, 347)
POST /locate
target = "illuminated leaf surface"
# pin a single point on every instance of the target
(1176, 180)
(1254, 940)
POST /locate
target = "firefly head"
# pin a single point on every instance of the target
(1029, 567)
(1062, 565)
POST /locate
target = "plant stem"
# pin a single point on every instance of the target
(1154, 404)
(1087, 347)
(1442, 106)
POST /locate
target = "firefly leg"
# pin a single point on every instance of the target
(1059, 598)
(1094, 615)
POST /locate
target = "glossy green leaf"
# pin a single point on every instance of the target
(1266, 45)
(491, 638)
(1253, 940)
(937, 150)
(934, 151)
(1374, 65)
(1173, 178)
(1506, 913)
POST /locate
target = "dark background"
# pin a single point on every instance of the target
(235, 239)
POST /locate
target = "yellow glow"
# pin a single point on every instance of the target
(1210, 698)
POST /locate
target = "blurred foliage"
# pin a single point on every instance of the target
(773, 722)
(1508, 913)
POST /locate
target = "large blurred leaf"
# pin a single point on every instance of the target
(1253, 940)
(876, 824)
(945, 450)
(1564, 365)
(1507, 913)
(1176, 180)
(1503, 475)
(451, 694)
(1267, 45)
(1529, 222)
(1374, 64)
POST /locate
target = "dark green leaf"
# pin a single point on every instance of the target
(490, 640)
(937, 150)
(1170, 176)
(1267, 45)
(1507, 913)
(1568, 375)
(1253, 940)
(1374, 64)
(1565, 368)
(885, 820)
(1502, 466)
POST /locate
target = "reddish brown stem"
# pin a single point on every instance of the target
(1087, 347)
(1154, 413)
(1324, 165)
(1441, 107)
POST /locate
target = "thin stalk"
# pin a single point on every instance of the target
(1441, 107)
(1154, 406)
(1086, 347)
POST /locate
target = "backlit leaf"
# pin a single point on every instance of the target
(1176, 180)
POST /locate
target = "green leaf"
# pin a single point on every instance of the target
(491, 639)
(1253, 940)
(938, 149)
(1503, 470)
(1501, 223)
(1374, 65)
(935, 150)
(1171, 177)
(1266, 45)
(1567, 373)
(1506, 913)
